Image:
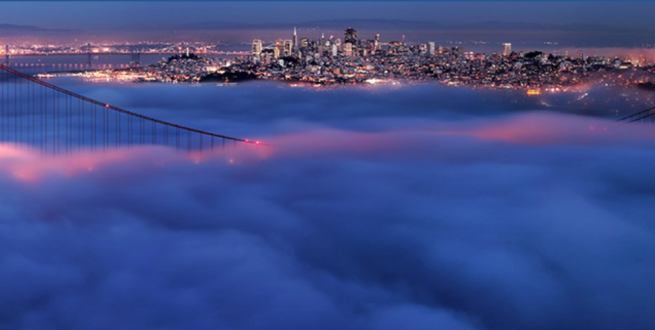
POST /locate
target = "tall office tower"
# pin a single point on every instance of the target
(267, 55)
(507, 49)
(321, 45)
(376, 42)
(581, 55)
(256, 48)
(431, 48)
(348, 49)
(370, 47)
(295, 40)
(334, 50)
(439, 50)
(338, 43)
(304, 43)
(287, 47)
(350, 36)
(278, 45)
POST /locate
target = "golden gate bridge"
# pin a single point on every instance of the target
(41, 115)
(55, 120)
(644, 116)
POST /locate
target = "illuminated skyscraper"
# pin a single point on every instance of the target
(256, 48)
(351, 36)
(431, 48)
(295, 40)
(304, 43)
(321, 45)
(370, 47)
(581, 55)
(507, 49)
(278, 45)
(287, 47)
(348, 49)
(267, 55)
(376, 42)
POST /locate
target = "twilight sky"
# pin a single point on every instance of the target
(112, 14)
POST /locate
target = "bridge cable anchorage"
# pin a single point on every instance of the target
(639, 116)
(107, 106)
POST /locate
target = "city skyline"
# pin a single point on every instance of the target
(327, 165)
(574, 24)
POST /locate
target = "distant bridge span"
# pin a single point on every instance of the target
(171, 52)
(26, 106)
(647, 115)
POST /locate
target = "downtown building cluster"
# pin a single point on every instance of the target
(331, 61)
(330, 47)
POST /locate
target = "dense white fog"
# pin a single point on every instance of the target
(412, 207)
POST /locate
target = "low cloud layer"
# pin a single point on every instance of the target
(366, 220)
